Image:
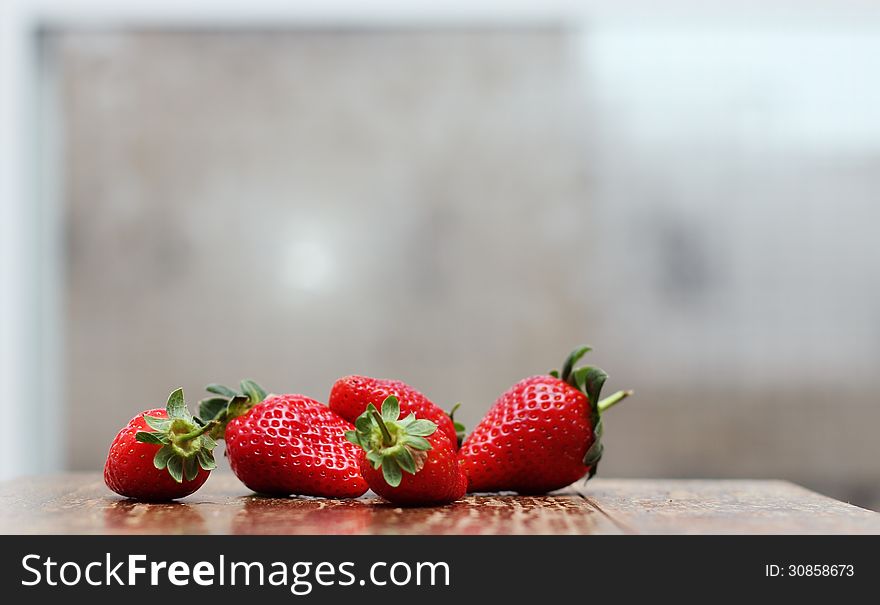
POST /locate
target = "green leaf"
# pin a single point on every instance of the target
(572, 359)
(175, 468)
(160, 460)
(157, 424)
(253, 391)
(594, 454)
(364, 423)
(145, 437)
(219, 389)
(460, 432)
(238, 406)
(406, 461)
(407, 421)
(374, 458)
(391, 472)
(554, 373)
(206, 460)
(394, 445)
(208, 442)
(417, 443)
(589, 380)
(390, 408)
(190, 468)
(176, 406)
(210, 408)
(421, 428)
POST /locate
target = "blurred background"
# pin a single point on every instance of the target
(455, 197)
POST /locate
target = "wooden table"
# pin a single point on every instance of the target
(79, 503)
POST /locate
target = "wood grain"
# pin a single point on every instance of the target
(79, 503)
(724, 507)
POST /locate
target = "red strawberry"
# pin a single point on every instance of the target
(160, 454)
(351, 395)
(286, 444)
(407, 461)
(541, 435)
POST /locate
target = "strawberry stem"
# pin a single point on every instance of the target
(386, 436)
(197, 432)
(613, 400)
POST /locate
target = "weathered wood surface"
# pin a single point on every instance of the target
(79, 503)
(723, 507)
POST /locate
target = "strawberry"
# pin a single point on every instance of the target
(351, 395)
(285, 444)
(408, 461)
(541, 435)
(160, 454)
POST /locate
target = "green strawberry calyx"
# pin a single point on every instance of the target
(589, 380)
(186, 445)
(460, 429)
(226, 404)
(394, 445)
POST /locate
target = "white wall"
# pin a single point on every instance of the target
(30, 369)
